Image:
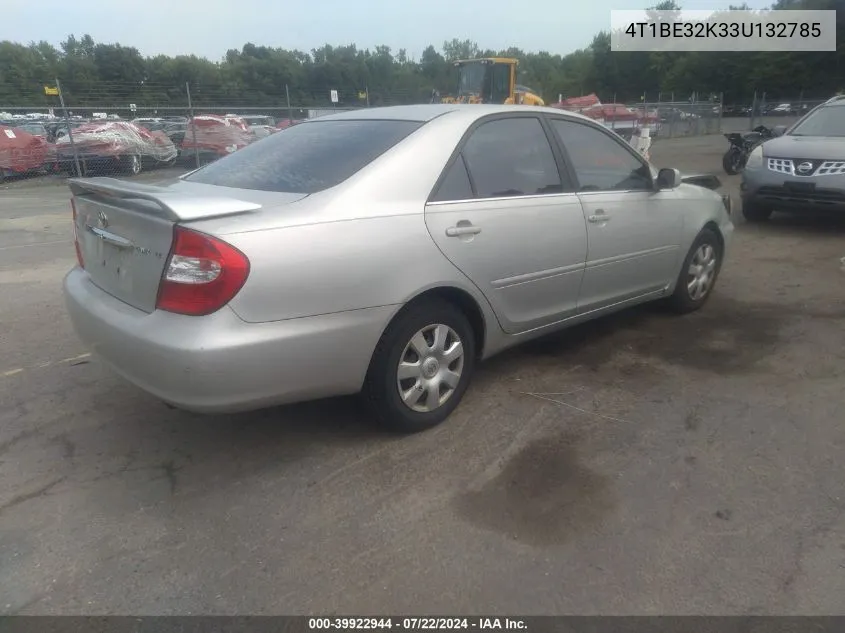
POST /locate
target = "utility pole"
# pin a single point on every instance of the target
(193, 124)
(69, 133)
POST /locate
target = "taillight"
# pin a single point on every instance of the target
(79, 259)
(202, 275)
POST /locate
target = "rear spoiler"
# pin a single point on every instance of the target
(177, 206)
(708, 181)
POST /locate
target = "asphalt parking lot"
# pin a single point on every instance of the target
(642, 464)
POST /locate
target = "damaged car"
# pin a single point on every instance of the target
(210, 136)
(22, 153)
(114, 145)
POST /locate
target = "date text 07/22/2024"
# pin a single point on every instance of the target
(415, 623)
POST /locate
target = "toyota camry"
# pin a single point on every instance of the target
(384, 252)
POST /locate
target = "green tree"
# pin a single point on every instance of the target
(95, 74)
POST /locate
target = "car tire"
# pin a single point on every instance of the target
(423, 372)
(753, 212)
(705, 255)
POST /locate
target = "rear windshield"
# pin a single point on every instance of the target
(306, 158)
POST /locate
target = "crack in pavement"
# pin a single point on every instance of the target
(73, 361)
(20, 437)
(27, 496)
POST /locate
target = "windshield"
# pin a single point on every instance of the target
(306, 158)
(471, 80)
(826, 121)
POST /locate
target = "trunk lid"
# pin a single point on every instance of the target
(125, 231)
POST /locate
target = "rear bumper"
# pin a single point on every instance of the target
(219, 363)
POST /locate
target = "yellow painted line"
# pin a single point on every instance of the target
(49, 363)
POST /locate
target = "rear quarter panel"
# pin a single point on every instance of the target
(307, 270)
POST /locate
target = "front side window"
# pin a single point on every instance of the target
(601, 162)
(826, 121)
(511, 157)
(306, 158)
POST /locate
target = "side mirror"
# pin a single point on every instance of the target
(778, 130)
(668, 178)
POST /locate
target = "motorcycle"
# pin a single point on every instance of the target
(733, 162)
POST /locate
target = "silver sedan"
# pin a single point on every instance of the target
(385, 252)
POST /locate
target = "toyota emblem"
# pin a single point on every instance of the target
(805, 167)
(104, 220)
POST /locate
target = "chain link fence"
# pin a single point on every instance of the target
(119, 130)
(98, 133)
(678, 118)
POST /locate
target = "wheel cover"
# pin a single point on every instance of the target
(701, 272)
(430, 368)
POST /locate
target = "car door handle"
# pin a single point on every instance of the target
(598, 216)
(457, 231)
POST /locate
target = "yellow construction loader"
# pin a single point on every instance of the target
(489, 80)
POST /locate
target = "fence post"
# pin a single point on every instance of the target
(290, 110)
(69, 133)
(721, 110)
(613, 116)
(753, 109)
(193, 124)
(367, 92)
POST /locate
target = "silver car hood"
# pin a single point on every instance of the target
(810, 147)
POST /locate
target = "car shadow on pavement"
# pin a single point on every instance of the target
(584, 343)
(335, 420)
(727, 335)
(783, 223)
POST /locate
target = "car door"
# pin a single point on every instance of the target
(633, 229)
(505, 214)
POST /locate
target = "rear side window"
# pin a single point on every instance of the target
(456, 184)
(306, 158)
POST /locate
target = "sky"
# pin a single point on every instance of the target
(208, 28)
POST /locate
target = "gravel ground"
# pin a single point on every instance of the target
(642, 464)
